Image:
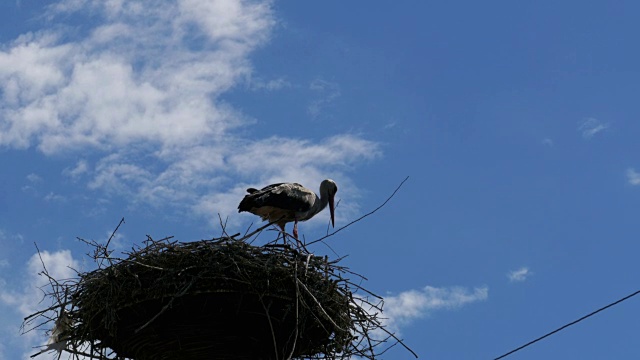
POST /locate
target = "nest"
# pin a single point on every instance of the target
(222, 298)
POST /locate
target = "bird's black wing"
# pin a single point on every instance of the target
(273, 186)
(290, 196)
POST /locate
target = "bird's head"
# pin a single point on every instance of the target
(328, 189)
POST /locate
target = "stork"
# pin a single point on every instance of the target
(286, 202)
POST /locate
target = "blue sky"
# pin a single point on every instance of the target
(517, 124)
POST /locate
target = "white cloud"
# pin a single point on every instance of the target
(81, 167)
(135, 76)
(53, 197)
(33, 178)
(59, 265)
(519, 275)
(4, 263)
(390, 125)
(138, 94)
(633, 176)
(271, 85)
(547, 142)
(404, 308)
(281, 156)
(4, 237)
(589, 127)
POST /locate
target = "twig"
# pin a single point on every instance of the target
(113, 234)
(248, 228)
(399, 341)
(223, 225)
(44, 311)
(138, 263)
(259, 229)
(106, 246)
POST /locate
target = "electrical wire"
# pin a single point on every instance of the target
(567, 325)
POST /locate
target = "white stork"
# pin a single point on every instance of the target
(287, 202)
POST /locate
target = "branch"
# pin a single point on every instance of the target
(106, 246)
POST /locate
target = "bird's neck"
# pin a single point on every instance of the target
(320, 203)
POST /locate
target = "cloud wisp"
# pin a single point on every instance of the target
(589, 127)
(137, 92)
(408, 306)
(633, 176)
(327, 92)
(519, 275)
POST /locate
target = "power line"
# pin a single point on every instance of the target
(567, 325)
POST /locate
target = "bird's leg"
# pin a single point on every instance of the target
(284, 234)
(295, 229)
(295, 233)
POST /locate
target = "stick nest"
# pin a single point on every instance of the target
(222, 298)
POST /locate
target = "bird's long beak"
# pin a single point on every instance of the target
(332, 210)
